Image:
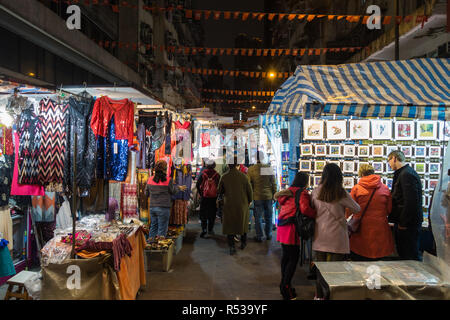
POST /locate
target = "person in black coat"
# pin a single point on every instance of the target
(407, 212)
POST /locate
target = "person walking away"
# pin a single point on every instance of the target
(207, 185)
(237, 196)
(407, 212)
(160, 188)
(329, 199)
(264, 187)
(287, 234)
(373, 240)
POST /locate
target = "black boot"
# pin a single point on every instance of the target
(288, 292)
(231, 244)
(243, 241)
(203, 234)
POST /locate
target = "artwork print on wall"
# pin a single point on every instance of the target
(404, 130)
(427, 130)
(321, 149)
(319, 165)
(445, 130)
(334, 151)
(378, 167)
(348, 182)
(359, 129)
(337, 129)
(377, 151)
(349, 167)
(420, 151)
(389, 183)
(306, 150)
(420, 167)
(381, 129)
(390, 149)
(363, 151)
(434, 168)
(317, 180)
(305, 165)
(349, 150)
(434, 152)
(432, 183)
(407, 151)
(313, 129)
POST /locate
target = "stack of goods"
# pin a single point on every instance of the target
(174, 232)
(158, 243)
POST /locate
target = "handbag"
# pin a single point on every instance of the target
(354, 223)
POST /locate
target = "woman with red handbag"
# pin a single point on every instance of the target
(372, 239)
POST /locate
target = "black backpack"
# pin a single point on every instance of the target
(304, 225)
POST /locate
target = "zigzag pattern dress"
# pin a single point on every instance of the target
(30, 142)
(53, 117)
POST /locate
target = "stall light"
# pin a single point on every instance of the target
(31, 74)
(253, 107)
(271, 75)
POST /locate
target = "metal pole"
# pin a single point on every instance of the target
(397, 31)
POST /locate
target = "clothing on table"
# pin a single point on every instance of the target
(331, 233)
(22, 189)
(53, 146)
(287, 234)
(374, 237)
(112, 156)
(159, 221)
(238, 194)
(208, 211)
(78, 122)
(129, 201)
(29, 131)
(179, 212)
(6, 175)
(6, 226)
(119, 112)
(43, 207)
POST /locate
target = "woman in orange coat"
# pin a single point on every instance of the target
(374, 239)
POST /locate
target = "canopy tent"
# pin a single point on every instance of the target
(412, 89)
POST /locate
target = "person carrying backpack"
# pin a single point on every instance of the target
(207, 186)
(287, 231)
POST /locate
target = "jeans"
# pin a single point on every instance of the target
(408, 243)
(263, 208)
(159, 224)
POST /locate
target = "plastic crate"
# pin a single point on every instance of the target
(159, 260)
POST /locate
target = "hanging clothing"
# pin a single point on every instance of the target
(6, 262)
(112, 156)
(43, 207)
(179, 212)
(30, 142)
(123, 112)
(98, 198)
(168, 140)
(6, 141)
(115, 193)
(78, 122)
(159, 135)
(53, 146)
(182, 176)
(22, 189)
(150, 156)
(6, 175)
(141, 157)
(143, 200)
(129, 200)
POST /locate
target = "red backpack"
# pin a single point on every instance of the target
(209, 186)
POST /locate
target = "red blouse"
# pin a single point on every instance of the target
(122, 110)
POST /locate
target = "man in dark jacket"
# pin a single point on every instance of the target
(208, 207)
(407, 212)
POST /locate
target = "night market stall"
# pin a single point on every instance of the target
(358, 113)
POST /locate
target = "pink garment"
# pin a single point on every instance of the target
(22, 189)
(331, 233)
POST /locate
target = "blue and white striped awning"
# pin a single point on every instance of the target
(417, 88)
(265, 120)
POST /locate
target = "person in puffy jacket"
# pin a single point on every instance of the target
(374, 238)
(208, 207)
(287, 235)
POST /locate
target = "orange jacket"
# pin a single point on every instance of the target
(374, 238)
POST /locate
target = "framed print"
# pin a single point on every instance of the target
(337, 129)
(359, 129)
(434, 168)
(349, 182)
(316, 180)
(389, 149)
(427, 130)
(338, 163)
(389, 183)
(407, 151)
(313, 129)
(432, 183)
(363, 151)
(434, 152)
(420, 151)
(445, 130)
(378, 167)
(420, 167)
(285, 155)
(305, 165)
(319, 165)
(320, 150)
(348, 167)
(306, 150)
(378, 151)
(404, 130)
(349, 150)
(334, 151)
(381, 129)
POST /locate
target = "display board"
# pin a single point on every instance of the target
(350, 143)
